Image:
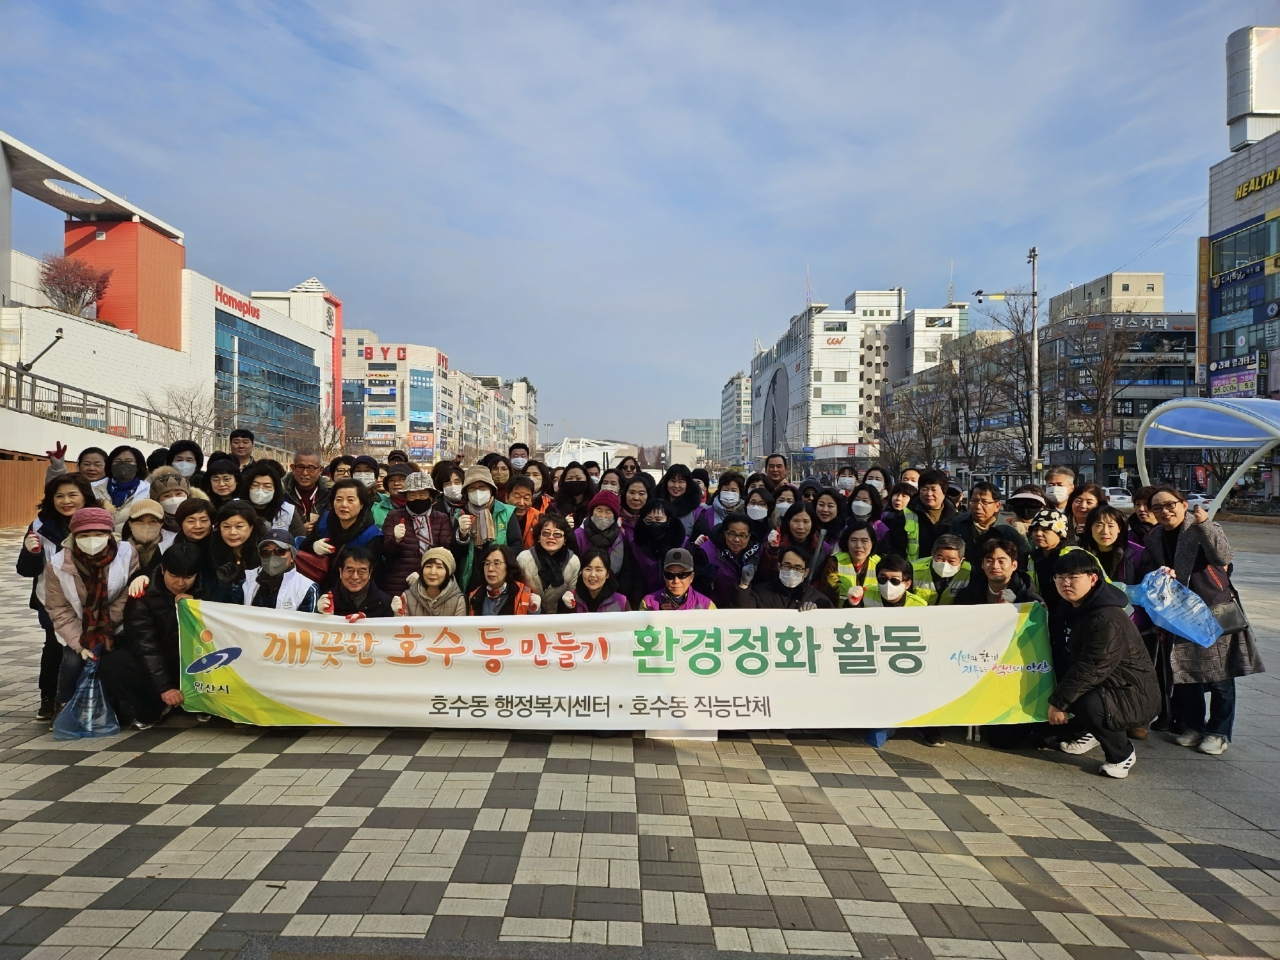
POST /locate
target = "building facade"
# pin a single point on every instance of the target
(396, 395)
(880, 313)
(1114, 293)
(735, 420)
(523, 397)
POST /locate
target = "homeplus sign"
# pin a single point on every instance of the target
(1254, 184)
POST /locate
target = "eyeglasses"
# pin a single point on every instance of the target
(494, 564)
(552, 534)
(984, 503)
(1067, 577)
(790, 568)
(306, 468)
(1164, 506)
(677, 574)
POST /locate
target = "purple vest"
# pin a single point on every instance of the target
(615, 604)
(725, 583)
(696, 601)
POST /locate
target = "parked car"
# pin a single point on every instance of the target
(1120, 498)
(1198, 500)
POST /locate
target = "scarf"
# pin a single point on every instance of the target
(96, 618)
(268, 589)
(550, 565)
(145, 551)
(353, 600)
(120, 492)
(422, 529)
(669, 602)
(482, 530)
(593, 603)
(493, 600)
(739, 561)
(339, 536)
(609, 541)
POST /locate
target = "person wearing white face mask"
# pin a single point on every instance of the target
(171, 490)
(788, 589)
(86, 591)
(1058, 484)
(727, 499)
(518, 454)
(939, 578)
(262, 485)
(187, 458)
(867, 503)
(483, 520)
(846, 480)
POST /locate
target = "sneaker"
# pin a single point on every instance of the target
(46, 710)
(202, 717)
(1118, 771)
(1188, 738)
(1077, 747)
(933, 738)
(139, 725)
(1213, 744)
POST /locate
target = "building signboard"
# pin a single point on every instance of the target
(1202, 310)
(1244, 376)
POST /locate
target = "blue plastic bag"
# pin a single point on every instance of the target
(88, 713)
(1173, 607)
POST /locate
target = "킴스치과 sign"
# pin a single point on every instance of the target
(714, 669)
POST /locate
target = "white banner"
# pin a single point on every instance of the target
(716, 669)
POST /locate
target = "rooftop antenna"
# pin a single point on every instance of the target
(951, 285)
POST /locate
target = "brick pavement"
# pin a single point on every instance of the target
(211, 841)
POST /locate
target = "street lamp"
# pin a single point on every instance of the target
(26, 367)
(1033, 257)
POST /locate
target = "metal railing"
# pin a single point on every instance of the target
(50, 400)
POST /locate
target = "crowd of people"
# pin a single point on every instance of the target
(117, 541)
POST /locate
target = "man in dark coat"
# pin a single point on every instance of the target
(355, 595)
(981, 522)
(1111, 685)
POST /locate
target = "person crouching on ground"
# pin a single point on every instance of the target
(501, 593)
(354, 594)
(434, 592)
(275, 583)
(1111, 684)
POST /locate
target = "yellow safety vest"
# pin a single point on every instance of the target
(911, 524)
(911, 601)
(925, 587)
(846, 576)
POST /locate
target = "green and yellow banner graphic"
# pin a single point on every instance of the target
(672, 671)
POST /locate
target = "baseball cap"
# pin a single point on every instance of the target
(679, 557)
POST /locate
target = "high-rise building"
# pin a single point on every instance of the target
(919, 338)
(700, 434)
(1114, 293)
(396, 394)
(524, 410)
(735, 419)
(880, 311)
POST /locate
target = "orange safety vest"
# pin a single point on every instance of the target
(524, 596)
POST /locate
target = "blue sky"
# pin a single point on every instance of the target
(616, 199)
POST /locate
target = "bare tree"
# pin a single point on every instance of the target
(1011, 375)
(1222, 462)
(1099, 369)
(924, 411)
(194, 411)
(895, 439)
(968, 383)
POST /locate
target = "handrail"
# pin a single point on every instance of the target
(39, 396)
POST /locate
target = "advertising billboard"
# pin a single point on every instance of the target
(1239, 376)
(422, 446)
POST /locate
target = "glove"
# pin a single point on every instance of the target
(700, 541)
(535, 604)
(227, 573)
(32, 543)
(774, 538)
(139, 586)
(87, 654)
(807, 606)
(412, 578)
(569, 600)
(1008, 596)
(569, 519)
(322, 548)
(354, 617)
(748, 574)
(464, 524)
(59, 451)
(398, 532)
(833, 579)
(397, 606)
(855, 595)
(325, 604)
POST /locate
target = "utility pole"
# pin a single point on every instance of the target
(1032, 257)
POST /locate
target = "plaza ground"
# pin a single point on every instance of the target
(210, 841)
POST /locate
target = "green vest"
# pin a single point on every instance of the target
(925, 587)
(846, 576)
(502, 513)
(912, 525)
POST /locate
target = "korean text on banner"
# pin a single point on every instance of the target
(721, 669)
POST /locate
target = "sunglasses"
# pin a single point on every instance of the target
(895, 581)
(677, 574)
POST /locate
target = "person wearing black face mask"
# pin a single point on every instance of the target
(656, 532)
(125, 482)
(573, 495)
(410, 531)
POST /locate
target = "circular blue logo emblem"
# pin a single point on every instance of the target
(212, 661)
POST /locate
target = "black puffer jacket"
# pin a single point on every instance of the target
(772, 595)
(151, 632)
(1108, 655)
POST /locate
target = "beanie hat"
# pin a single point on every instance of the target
(443, 555)
(146, 508)
(1054, 520)
(165, 479)
(88, 519)
(480, 474)
(605, 498)
(367, 461)
(418, 481)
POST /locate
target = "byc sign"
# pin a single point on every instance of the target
(402, 353)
